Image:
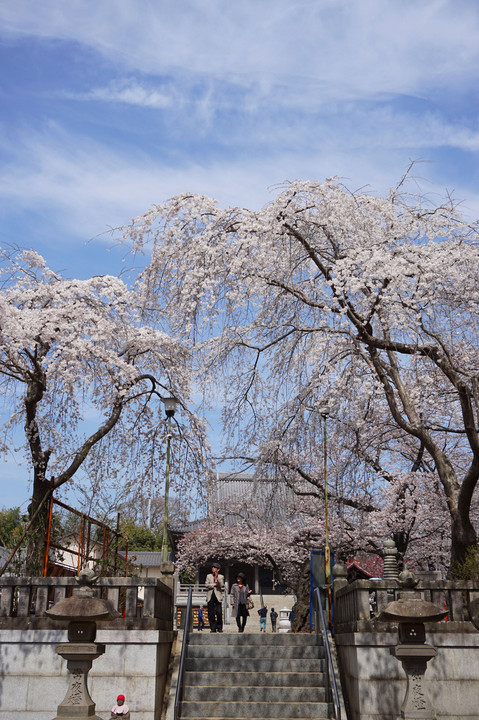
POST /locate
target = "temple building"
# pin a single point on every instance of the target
(272, 502)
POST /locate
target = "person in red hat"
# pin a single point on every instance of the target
(120, 709)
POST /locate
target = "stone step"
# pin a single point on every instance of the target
(257, 676)
(274, 639)
(253, 710)
(235, 694)
(254, 679)
(310, 652)
(255, 665)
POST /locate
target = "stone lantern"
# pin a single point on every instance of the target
(284, 624)
(82, 611)
(411, 612)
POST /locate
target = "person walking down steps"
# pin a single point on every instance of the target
(240, 593)
(215, 584)
(263, 614)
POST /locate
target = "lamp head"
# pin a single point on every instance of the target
(170, 406)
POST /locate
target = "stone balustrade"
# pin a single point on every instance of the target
(141, 602)
(373, 680)
(352, 601)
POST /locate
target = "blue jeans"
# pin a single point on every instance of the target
(262, 624)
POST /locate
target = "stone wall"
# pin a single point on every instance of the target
(374, 682)
(34, 679)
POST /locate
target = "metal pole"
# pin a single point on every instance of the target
(117, 540)
(327, 555)
(164, 548)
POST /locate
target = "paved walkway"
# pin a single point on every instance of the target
(252, 626)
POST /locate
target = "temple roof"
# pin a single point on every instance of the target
(273, 499)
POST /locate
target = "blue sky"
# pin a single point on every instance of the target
(108, 107)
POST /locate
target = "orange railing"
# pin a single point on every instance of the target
(94, 542)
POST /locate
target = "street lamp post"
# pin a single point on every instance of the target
(170, 409)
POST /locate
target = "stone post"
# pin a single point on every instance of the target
(77, 702)
(340, 575)
(82, 611)
(413, 653)
(391, 570)
(167, 570)
(411, 612)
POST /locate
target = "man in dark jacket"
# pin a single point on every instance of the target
(274, 616)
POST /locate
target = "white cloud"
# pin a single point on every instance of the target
(131, 92)
(334, 49)
(85, 187)
(258, 93)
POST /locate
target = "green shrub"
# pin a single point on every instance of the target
(469, 569)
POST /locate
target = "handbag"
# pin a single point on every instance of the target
(249, 604)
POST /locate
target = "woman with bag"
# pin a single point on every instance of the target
(240, 602)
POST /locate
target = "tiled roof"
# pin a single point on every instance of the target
(273, 499)
(147, 558)
(183, 526)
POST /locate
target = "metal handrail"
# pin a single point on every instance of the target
(186, 631)
(319, 616)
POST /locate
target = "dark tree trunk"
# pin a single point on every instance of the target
(40, 458)
(38, 532)
(301, 606)
(463, 538)
(36, 537)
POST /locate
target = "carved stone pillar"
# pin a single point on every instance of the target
(82, 611)
(77, 703)
(414, 654)
(411, 612)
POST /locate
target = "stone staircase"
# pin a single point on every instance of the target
(254, 676)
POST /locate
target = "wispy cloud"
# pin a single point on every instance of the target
(242, 97)
(336, 48)
(85, 188)
(131, 92)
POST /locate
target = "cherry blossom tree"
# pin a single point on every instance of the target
(328, 297)
(238, 531)
(369, 496)
(253, 532)
(85, 375)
